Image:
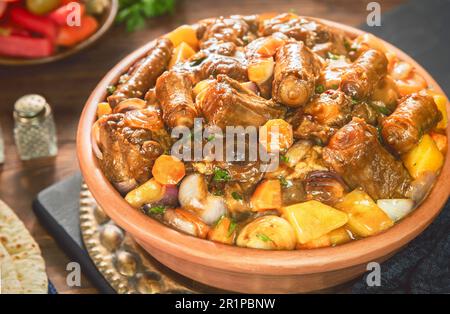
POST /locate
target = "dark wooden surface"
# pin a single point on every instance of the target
(67, 84)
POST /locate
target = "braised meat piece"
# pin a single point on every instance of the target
(355, 153)
(324, 115)
(233, 29)
(414, 116)
(142, 76)
(366, 112)
(204, 65)
(317, 36)
(330, 76)
(216, 64)
(364, 74)
(260, 55)
(295, 74)
(129, 144)
(227, 103)
(174, 93)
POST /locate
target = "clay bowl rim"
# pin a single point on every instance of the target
(245, 260)
(107, 18)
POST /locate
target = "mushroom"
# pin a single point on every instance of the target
(268, 232)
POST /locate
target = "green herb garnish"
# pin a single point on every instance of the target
(335, 86)
(197, 61)
(218, 193)
(284, 158)
(236, 196)
(381, 109)
(320, 89)
(354, 101)
(332, 56)
(263, 237)
(111, 89)
(284, 183)
(157, 209)
(231, 228)
(221, 175)
(211, 138)
(134, 12)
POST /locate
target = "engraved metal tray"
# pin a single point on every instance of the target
(123, 263)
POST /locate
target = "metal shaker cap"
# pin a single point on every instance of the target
(30, 106)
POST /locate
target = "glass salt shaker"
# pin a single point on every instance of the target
(34, 128)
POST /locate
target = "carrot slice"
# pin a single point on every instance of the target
(168, 169)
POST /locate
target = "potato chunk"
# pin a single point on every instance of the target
(184, 33)
(424, 157)
(365, 218)
(312, 219)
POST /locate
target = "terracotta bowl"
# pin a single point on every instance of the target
(106, 20)
(251, 270)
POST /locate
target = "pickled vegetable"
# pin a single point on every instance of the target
(41, 7)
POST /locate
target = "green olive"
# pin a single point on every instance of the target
(42, 6)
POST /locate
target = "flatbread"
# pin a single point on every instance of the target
(9, 281)
(23, 251)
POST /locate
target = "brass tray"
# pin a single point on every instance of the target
(123, 263)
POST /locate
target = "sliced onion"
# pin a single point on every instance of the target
(421, 186)
(125, 186)
(170, 197)
(95, 139)
(396, 209)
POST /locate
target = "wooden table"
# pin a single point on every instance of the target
(67, 84)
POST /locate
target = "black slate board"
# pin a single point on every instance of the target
(57, 208)
(420, 29)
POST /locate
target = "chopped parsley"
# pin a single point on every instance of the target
(284, 183)
(236, 196)
(221, 175)
(335, 86)
(381, 108)
(348, 46)
(197, 61)
(211, 138)
(354, 101)
(263, 237)
(332, 56)
(111, 89)
(231, 228)
(284, 158)
(157, 209)
(320, 89)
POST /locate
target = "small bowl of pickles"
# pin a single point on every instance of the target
(42, 31)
